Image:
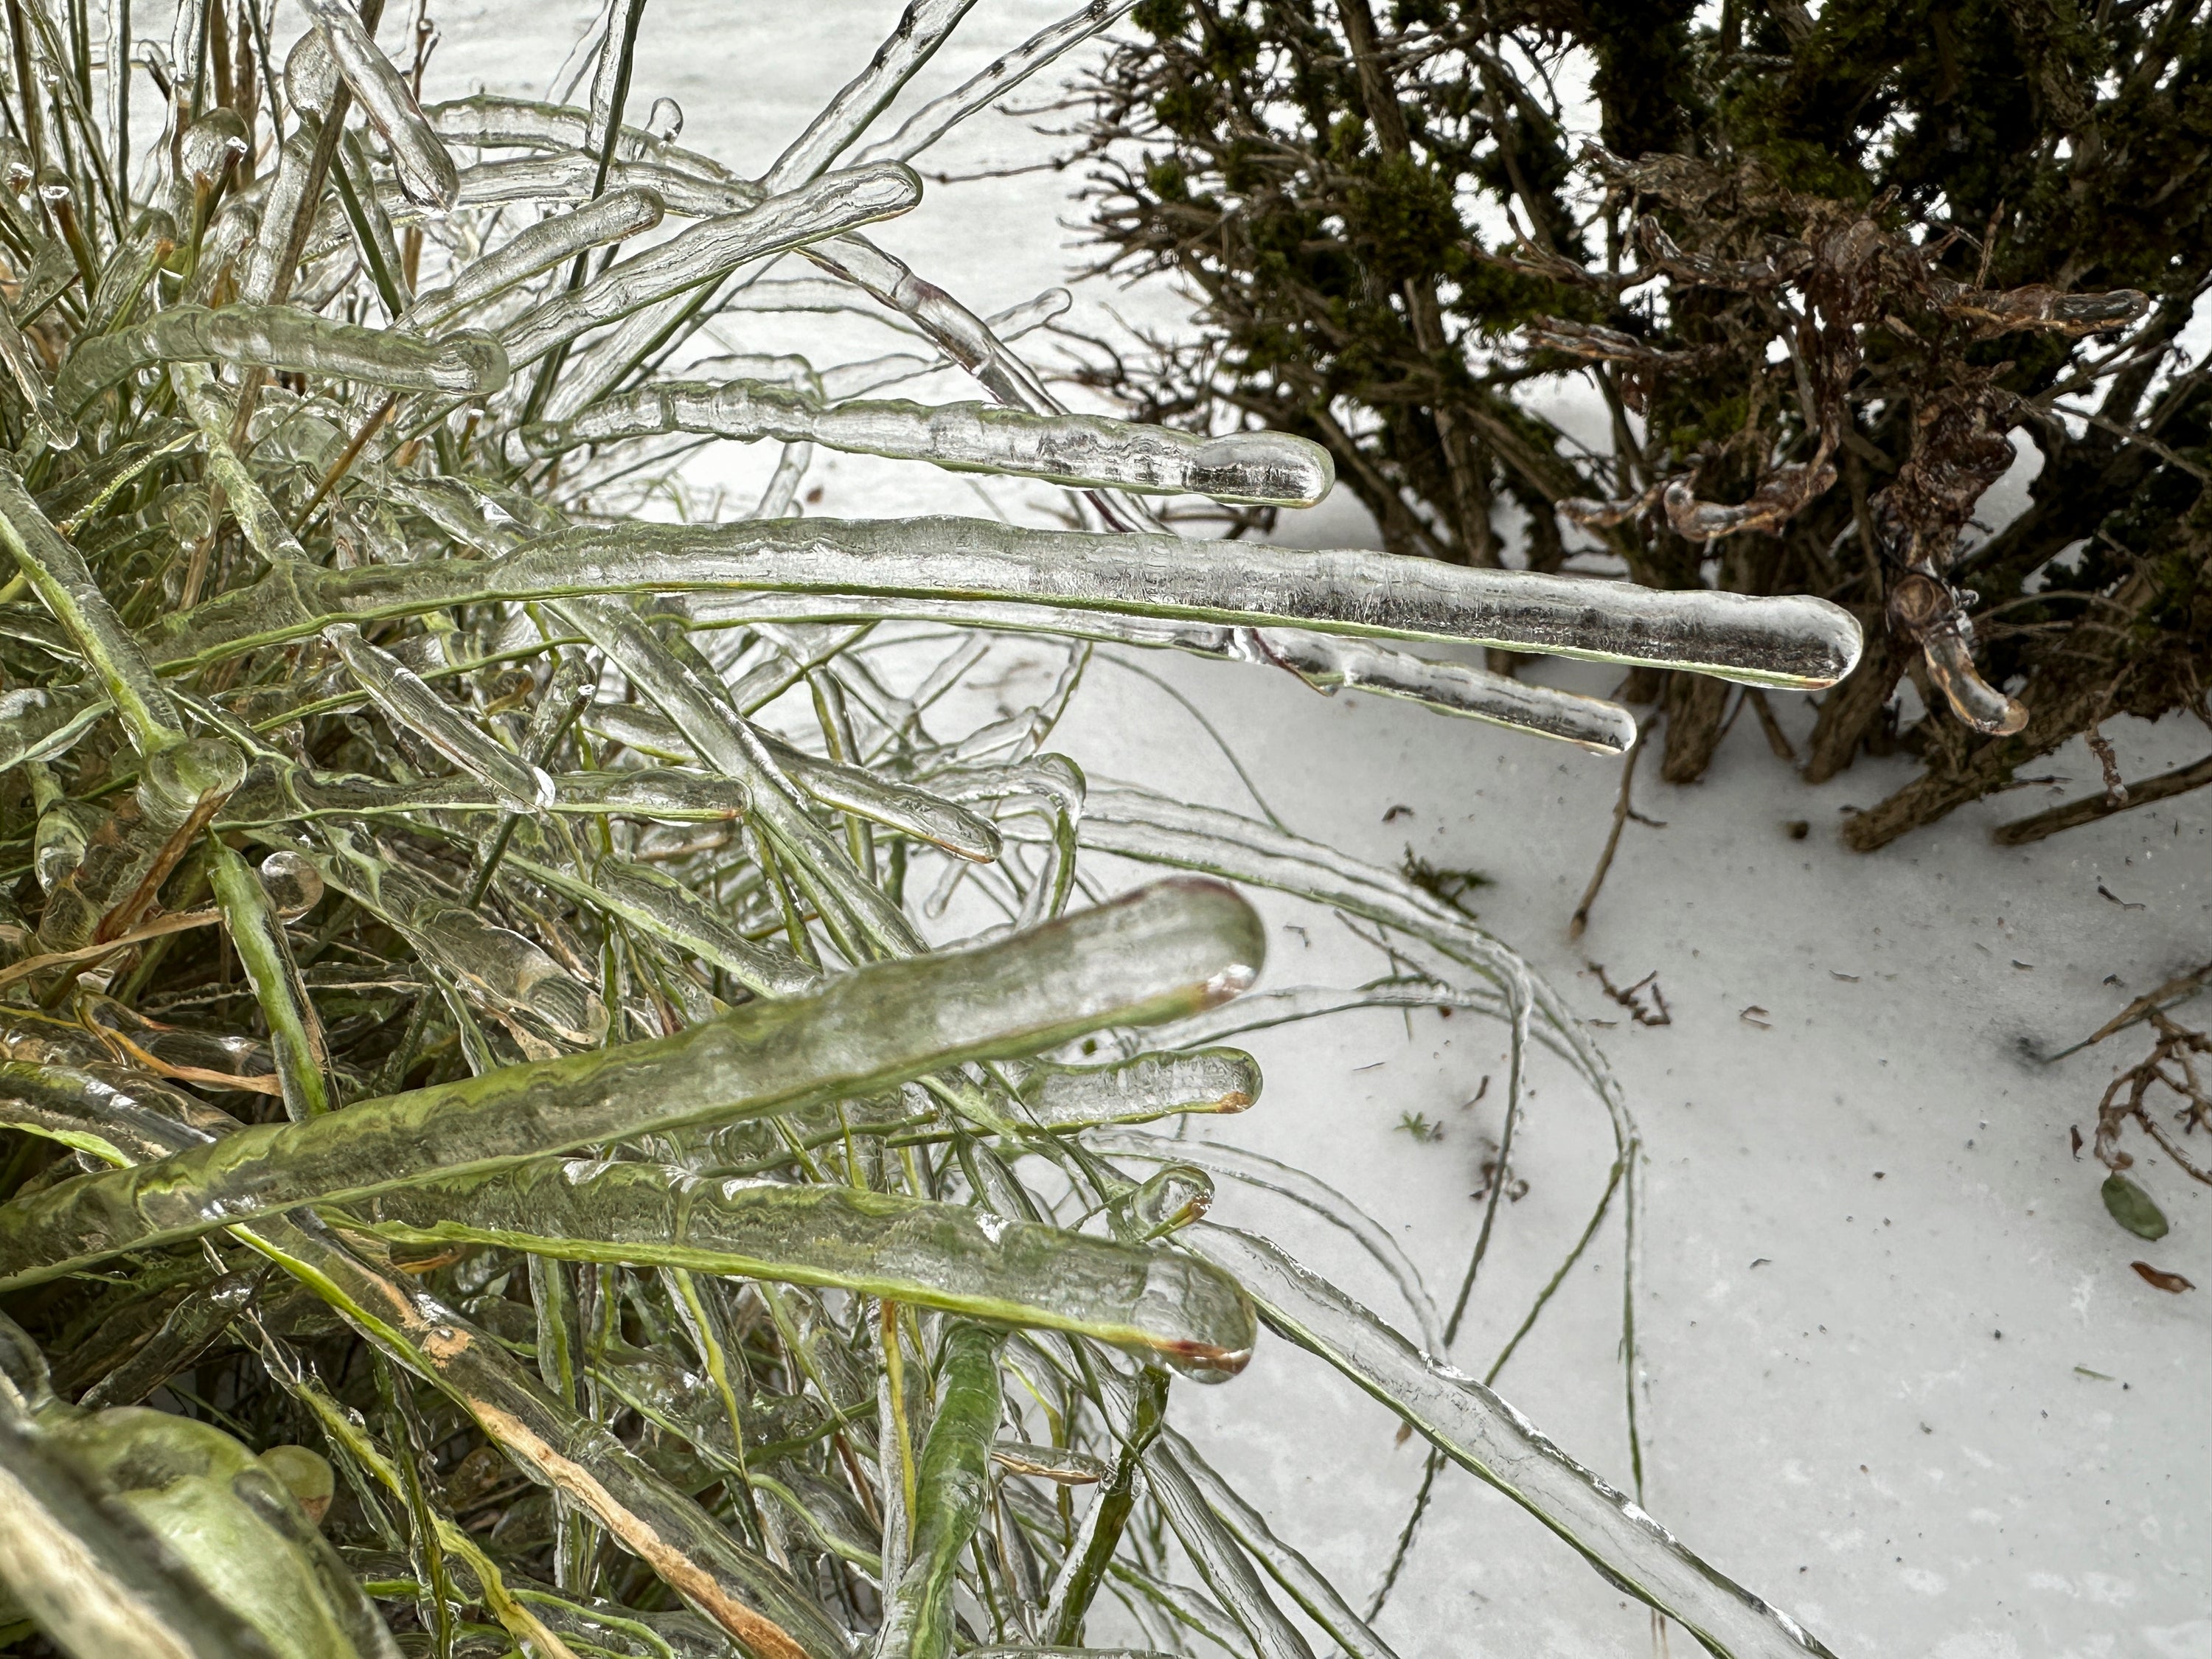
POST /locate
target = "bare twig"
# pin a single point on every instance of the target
(2074, 813)
(1622, 814)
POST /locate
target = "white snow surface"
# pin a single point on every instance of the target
(1896, 1374)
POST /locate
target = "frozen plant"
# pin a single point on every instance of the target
(486, 1041)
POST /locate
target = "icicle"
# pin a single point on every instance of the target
(658, 793)
(1793, 641)
(665, 907)
(1950, 657)
(490, 122)
(1451, 688)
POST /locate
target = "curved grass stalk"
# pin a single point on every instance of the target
(1326, 662)
(909, 1250)
(1315, 1596)
(1081, 451)
(1485, 1435)
(1309, 1191)
(1167, 951)
(278, 337)
(1784, 641)
(1221, 1560)
(857, 379)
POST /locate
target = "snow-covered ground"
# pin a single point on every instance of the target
(1898, 1374)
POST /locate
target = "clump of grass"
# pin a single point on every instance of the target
(602, 1113)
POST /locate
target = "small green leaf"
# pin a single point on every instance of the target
(2132, 1207)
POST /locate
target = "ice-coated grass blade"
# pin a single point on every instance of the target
(461, 365)
(853, 789)
(713, 248)
(750, 1598)
(214, 413)
(60, 577)
(939, 116)
(939, 1255)
(1325, 662)
(616, 215)
(1160, 954)
(921, 29)
(1484, 1434)
(1801, 640)
(950, 1491)
(426, 172)
(406, 701)
(1080, 451)
(1140, 1090)
(280, 793)
(295, 1036)
(98, 1580)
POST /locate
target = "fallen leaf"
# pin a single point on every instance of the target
(1755, 1015)
(2160, 1280)
(2132, 1207)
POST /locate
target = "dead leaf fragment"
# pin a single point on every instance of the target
(2158, 1279)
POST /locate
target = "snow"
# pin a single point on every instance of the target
(1898, 1375)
